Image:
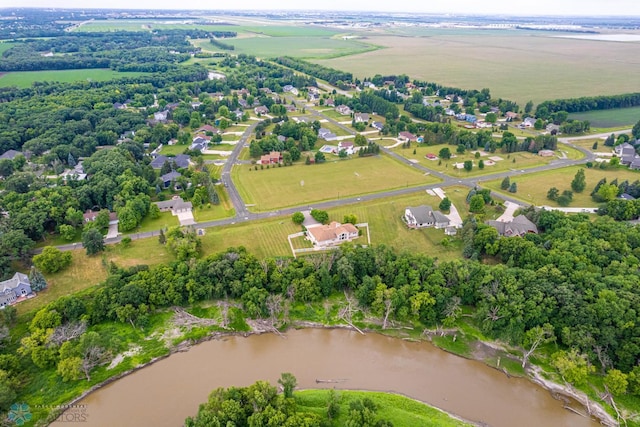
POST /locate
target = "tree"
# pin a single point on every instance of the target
(445, 153)
(513, 188)
(154, 211)
(553, 194)
(506, 182)
(595, 145)
(607, 192)
(572, 366)
(468, 165)
(70, 368)
(534, 337)
(476, 204)
(319, 157)
(92, 241)
(67, 232)
(616, 382)
(528, 108)
(350, 218)
(613, 162)
(6, 167)
(52, 260)
(445, 204)
(37, 280)
(320, 216)
(579, 182)
(360, 140)
(491, 118)
(635, 131)
(288, 383)
(297, 218)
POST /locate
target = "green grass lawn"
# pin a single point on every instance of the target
(523, 160)
(165, 220)
(24, 79)
(173, 150)
(614, 118)
(213, 212)
(301, 184)
(335, 129)
(401, 411)
(533, 188)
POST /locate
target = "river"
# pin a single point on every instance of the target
(166, 392)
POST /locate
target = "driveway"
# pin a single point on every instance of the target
(113, 231)
(186, 218)
(507, 216)
(454, 216)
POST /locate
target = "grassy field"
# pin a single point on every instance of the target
(214, 212)
(301, 184)
(5, 46)
(523, 160)
(610, 118)
(508, 62)
(533, 188)
(401, 411)
(296, 46)
(24, 79)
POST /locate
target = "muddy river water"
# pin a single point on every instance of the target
(165, 393)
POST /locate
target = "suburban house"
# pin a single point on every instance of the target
(14, 289)
(546, 153)
(377, 125)
(424, 216)
(176, 205)
(327, 135)
(519, 226)
(332, 234)
(330, 102)
(199, 143)
(208, 128)
(291, 89)
(347, 146)
(167, 178)
(161, 116)
(553, 129)
(407, 137)
(626, 152)
(119, 106)
(361, 118)
(243, 103)
(272, 158)
(313, 97)
(261, 110)
(529, 122)
(10, 155)
(467, 117)
(344, 110)
(510, 115)
(290, 108)
(90, 216)
(180, 161)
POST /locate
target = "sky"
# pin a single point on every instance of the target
(485, 7)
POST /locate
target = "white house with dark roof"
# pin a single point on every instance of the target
(14, 289)
(424, 216)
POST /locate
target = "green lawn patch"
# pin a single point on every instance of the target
(533, 188)
(400, 410)
(173, 150)
(301, 184)
(165, 220)
(23, 79)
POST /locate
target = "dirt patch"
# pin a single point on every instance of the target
(120, 357)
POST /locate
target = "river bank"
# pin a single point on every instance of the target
(262, 329)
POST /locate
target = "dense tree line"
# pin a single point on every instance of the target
(221, 45)
(335, 77)
(587, 103)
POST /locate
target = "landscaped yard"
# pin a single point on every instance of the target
(298, 185)
(214, 212)
(173, 150)
(533, 188)
(523, 160)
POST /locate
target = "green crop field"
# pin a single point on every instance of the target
(533, 188)
(610, 118)
(508, 62)
(523, 160)
(24, 79)
(301, 184)
(5, 46)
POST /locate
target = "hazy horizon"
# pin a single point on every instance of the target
(580, 8)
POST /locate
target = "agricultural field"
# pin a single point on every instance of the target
(523, 160)
(614, 118)
(533, 188)
(508, 62)
(279, 187)
(25, 79)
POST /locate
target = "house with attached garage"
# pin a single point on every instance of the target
(332, 234)
(361, 118)
(518, 226)
(15, 289)
(424, 216)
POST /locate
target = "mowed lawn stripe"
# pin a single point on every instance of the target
(280, 187)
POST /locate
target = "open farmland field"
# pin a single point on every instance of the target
(616, 117)
(523, 159)
(514, 65)
(533, 188)
(24, 79)
(300, 184)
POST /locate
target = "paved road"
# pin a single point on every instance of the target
(244, 215)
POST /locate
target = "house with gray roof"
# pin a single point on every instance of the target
(10, 155)
(519, 226)
(626, 152)
(419, 217)
(327, 135)
(12, 290)
(181, 161)
(167, 178)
